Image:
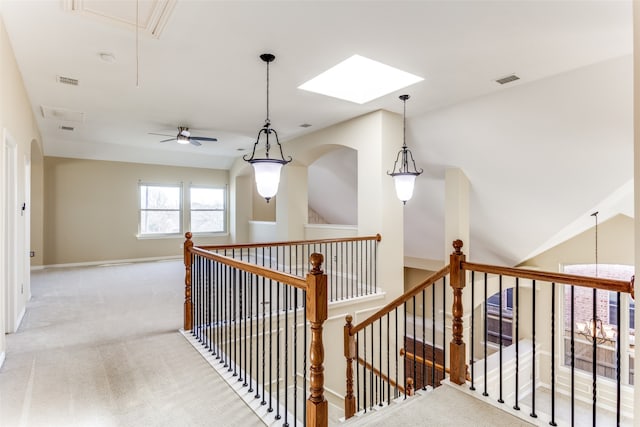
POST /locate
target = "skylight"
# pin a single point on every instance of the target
(360, 80)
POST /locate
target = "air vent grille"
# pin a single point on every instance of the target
(508, 79)
(67, 81)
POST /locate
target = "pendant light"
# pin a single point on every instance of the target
(267, 169)
(404, 177)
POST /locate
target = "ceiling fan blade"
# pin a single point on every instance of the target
(203, 138)
(167, 140)
(194, 142)
(161, 134)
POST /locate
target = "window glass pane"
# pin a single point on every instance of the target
(207, 221)
(155, 197)
(159, 222)
(207, 198)
(605, 315)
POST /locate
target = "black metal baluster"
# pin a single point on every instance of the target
(533, 350)
(618, 353)
(404, 344)
(216, 308)
(358, 372)
(278, 285)
(395, 394)
(424, 340)
(257, 358)
(264, 336)
(286, 348)
(500, 335)
(517, 338)
(374, 384)
(381, 399)
(594, 360)
(573, 358)
(553, 355)
(433, 336)
(364, 369)
(250, 319)
(473, 334)
(388, 362)
(234, 288)
(444, 326)
(486, 335)
(415, 353)
(295, 349)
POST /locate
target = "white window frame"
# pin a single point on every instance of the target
(223, 210)
(180, 210)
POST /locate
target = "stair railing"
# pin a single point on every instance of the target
(518, 352)
(379, 342)
(350, 262)
(243, 313)
(505, 374)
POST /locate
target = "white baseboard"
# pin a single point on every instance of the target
(109, 262)
(20, 317)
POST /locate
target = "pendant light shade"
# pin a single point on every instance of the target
(267, 175)
(267, 169)
(403, 176)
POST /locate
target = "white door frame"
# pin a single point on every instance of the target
(25, 256)
(10, 258)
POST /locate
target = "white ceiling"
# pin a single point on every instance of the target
(198, 66)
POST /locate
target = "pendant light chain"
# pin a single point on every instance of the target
(267, 122)
(595, 214)
(404, 123)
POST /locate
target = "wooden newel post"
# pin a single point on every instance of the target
(350, 355)
(457, 347)
(188, 307)
(317, 309)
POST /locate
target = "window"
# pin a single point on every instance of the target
(207, 210)
(606, 315)
(493, 317)
(160, 209)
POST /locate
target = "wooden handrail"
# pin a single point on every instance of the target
(422, 361)
(286, 278)
(560, 278)
(379, 374)
(377, 238)
(401, 299)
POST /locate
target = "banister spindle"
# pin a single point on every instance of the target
(350, 355)
(317, 308)
(188, 305)
(457, 346)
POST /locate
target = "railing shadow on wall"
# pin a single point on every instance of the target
(259, 311)
(514, 369)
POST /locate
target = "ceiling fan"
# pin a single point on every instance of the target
(185, 137)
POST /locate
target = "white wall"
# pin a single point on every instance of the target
(18, 128)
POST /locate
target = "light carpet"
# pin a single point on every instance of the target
(100, 347)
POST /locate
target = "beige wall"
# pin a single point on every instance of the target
(615, 246)
(91, 209)
(17, 123)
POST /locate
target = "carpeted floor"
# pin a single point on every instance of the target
(100, 347)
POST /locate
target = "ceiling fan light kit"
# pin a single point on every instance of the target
(267, 169)
(184, 137)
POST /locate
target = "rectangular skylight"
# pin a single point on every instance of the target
(360, 80)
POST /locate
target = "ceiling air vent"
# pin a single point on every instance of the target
(508, 79)
(67, 80)
(69, 128)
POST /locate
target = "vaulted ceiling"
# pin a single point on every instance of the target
(540, 152)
